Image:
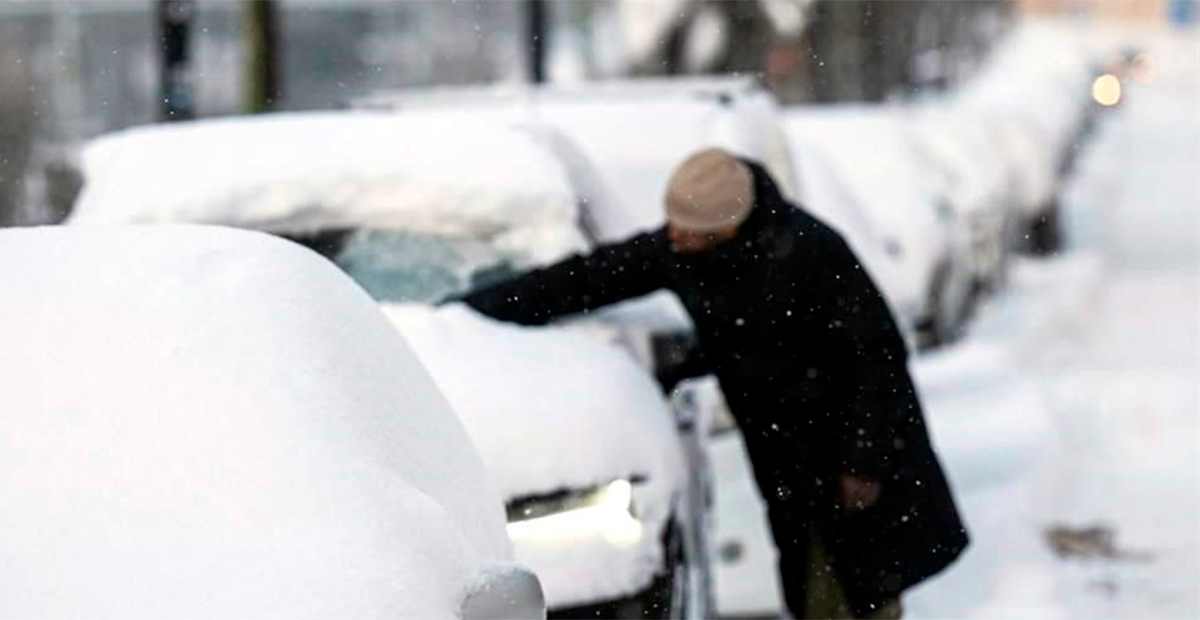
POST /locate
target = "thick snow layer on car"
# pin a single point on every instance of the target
(505, 380)
(201, 422)
(1000, 136)
(637, 141)
(855, 171)
(551, 410)
(961, 149)
(634, 132)
(304, 172)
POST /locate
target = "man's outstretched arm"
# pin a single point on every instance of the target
(578, 284)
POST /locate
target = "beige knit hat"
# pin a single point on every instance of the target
(709, 191)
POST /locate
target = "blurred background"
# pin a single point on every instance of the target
(74, 69)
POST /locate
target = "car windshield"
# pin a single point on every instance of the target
(401, 266)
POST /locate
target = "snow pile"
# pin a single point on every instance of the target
(210, 423)
(306, 172)
(551, 410)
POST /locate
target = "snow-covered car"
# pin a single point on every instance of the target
(209, 423)
(606, 502)
(856, 171)
(635, 132)
(970, 158)
(1007, 135)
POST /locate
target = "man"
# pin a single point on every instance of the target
(812, 366)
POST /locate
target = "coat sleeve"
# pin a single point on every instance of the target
(883, 398)
(578, 284)
(691, 363)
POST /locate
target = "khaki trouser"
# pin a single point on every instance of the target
(825, 598)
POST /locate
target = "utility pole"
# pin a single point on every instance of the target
(263, 79)
(535, 12)
(175, 86)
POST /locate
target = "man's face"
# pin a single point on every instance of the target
(692, 242)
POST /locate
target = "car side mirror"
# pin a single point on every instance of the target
(512, 593)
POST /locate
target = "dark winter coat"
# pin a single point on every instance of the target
(815, 372)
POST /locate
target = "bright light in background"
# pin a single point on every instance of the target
(609, 515)
(1106, 90)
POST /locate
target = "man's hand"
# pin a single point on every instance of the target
(858, 492)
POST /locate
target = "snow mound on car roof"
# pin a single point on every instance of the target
(201, 422)
(304, 172)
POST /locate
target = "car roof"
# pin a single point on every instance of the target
(203, 421)
(311, 171)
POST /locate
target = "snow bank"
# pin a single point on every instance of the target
(551, 410)
(209, 423)
(988, 420)
(305, 172)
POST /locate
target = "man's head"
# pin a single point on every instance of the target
(710, 195)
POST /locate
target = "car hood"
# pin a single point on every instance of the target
(206, 422)
(548, 409)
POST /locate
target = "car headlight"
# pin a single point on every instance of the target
(606, 511)
(1106, 90)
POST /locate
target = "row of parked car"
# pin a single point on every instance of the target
(329, 444)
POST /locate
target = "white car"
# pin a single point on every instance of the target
(210, 423)
(969, 156)
(634, 132)
(856, 171)
(419, 209)
(1004, 138)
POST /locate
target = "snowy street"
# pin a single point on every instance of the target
(474, 309)
(1095, 514)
